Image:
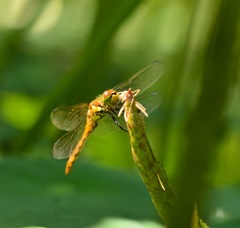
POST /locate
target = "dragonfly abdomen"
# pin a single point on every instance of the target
(91, 124)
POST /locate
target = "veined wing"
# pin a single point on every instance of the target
(66, 144)
(68, 118)
(150, 101)
(143, 79)
(106, 125)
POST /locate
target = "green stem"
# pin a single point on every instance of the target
(151, 171)
(153, 175)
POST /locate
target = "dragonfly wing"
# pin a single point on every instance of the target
(150, 101)
(143, 79)
(66, 144)
(107, 125)
(69, 118)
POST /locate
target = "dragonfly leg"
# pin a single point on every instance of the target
(116, 122)
(114, 112)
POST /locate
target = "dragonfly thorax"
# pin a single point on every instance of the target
(96, 109)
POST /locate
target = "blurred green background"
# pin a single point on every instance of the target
(58, 52)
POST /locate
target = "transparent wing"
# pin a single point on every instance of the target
(66, 144)
(106, 125)
(143, 79)
(150, 101)
(68, 118)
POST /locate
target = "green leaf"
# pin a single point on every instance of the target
(38, 193)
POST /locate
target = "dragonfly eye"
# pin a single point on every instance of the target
(110, 97)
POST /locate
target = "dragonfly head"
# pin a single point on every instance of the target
(110, 97)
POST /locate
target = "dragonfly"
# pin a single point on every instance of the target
(81, 119)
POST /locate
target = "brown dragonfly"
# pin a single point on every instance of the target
(80, 120)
